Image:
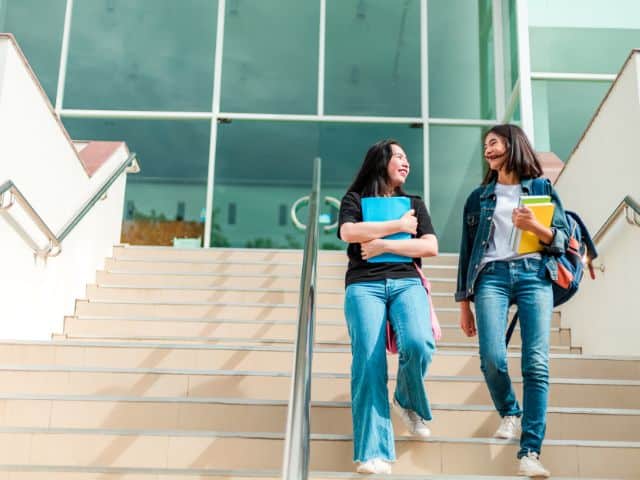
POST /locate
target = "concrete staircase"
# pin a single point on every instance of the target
(177, 364)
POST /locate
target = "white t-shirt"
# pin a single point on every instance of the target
(499, 247)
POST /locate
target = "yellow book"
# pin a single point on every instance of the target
(527, 242)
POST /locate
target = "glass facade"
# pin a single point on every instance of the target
(234, 105)
(591, 38)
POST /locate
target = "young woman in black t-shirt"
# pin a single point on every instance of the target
(375, 291)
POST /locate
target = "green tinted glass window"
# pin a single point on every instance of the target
(141, 55)
(38, 28)
(373, 58)
(261, 176)
(581, 50)
(461, 71)
(562, 111)
(456, 168)
(166, 199)
(510, 39)
(270, 62)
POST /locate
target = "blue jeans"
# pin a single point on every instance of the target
(367, 307)
(500, 284)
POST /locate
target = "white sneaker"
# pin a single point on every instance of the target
(509, 429)
(530, 466)
(374, 466)
(414, 422)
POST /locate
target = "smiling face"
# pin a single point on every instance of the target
(398, 167)
(495, 151)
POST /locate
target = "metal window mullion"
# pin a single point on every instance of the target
(135, 114)
(524, 68)
(424, 101)
(215, 110)
(64, 56)
(321, 55)
(574, 77)
(498, 58)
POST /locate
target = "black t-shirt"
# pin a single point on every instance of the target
(362, 271)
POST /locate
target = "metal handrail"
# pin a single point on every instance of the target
(54, 246)
(295, 465)
(632, 211)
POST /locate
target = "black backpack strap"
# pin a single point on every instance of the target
(511, 328)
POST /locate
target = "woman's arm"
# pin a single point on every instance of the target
(361, 232)
(425, 246)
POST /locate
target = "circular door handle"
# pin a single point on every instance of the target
(299, 203)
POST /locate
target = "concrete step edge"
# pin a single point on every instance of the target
(197, 472)
(282, 403)
(228, 289)
(288, 341)
(314, 436)
(328, 323)
(241, 275)
(267, 373)
(81, 343)
(256, 262)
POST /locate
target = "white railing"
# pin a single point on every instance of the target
(603, 169)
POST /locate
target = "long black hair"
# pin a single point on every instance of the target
(521, 157)
(372, 180)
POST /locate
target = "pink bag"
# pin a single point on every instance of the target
(392, 345)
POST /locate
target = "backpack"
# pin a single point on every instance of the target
(580, 252)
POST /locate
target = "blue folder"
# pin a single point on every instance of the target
(382, 209)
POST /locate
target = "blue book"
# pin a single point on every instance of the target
(382, 209)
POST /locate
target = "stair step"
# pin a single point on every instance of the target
(325, 332)
(243, 254)
(70, 472)
(253, 357)
(222, 450)
(586, 393)
(237, 280)
(234, 311)
(241, 415)
(228, 295)
(271, 268)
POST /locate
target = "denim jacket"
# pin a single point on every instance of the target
(477, 227)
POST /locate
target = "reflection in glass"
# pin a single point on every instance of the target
(275, 170)
(373, 58)
(562, 110)
(457, 165)
(166, 200)
(38, 27)
(141, 55)
(461, 67)
(270, 61)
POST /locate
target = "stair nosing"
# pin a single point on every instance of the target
(209, 346)
(284, 403)
(313, 437)
(333, 323)
(253, 473)
(283, 374)
(457, 345)
(335, 291)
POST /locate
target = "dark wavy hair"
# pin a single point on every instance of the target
(521, 157)
(372, 180)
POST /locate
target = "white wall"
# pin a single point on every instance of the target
(38, 157)
(604, 317)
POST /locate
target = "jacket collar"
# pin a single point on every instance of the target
(490, 188)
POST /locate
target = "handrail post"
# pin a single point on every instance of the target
(296, 449)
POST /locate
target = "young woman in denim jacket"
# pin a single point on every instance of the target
(493, 276)
(377, 290)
